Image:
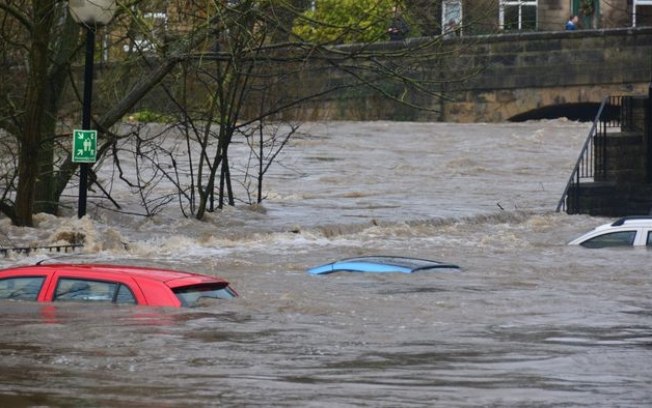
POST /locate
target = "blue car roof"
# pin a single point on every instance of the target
(380, 264)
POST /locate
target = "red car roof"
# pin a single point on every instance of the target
(149, 286)
(170, 277)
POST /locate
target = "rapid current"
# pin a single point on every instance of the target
(527, 322)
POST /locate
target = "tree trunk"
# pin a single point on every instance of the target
(35, 102)
(63, 45)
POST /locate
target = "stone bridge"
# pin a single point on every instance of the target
(519, 76)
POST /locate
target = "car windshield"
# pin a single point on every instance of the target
(192, 296)
(612, 239)
(21, 288)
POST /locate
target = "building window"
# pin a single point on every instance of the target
(636, 10)
(451, 17)
(518, 15)
(152, 37)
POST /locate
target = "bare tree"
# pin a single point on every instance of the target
(40, 42)
(227, 71)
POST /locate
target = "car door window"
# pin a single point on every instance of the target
(649, 238)
(620, 238)
(190, 296)
(83, 290)
(21, 288)
(124, 296)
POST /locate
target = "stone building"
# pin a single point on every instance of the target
(435, 17)
(542, 15)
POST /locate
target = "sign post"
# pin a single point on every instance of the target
(84, 151)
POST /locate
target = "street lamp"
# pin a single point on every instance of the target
(91, 14)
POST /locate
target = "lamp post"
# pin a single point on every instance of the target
(91, 14)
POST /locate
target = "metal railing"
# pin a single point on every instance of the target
(592, 161)
(50, 248)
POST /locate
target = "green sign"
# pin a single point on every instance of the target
(84, 146)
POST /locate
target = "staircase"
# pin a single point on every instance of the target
(612, 176)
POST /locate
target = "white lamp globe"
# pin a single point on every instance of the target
(92, 12)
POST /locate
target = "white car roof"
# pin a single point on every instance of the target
(643, 221)
(623, 223)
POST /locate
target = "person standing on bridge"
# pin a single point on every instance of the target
(571, 24)
(451, 29)
(398, 28)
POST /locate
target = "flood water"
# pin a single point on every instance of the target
(526, 322)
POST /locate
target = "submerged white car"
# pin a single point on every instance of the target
(627, 231)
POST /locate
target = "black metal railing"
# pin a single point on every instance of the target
(50, 248)
(592, 161)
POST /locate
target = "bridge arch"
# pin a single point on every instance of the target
(579, 111)
(550, 74)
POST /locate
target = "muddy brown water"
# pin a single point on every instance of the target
(527, 322)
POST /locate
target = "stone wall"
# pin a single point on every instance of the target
(509, 74)
(531, 71)
(484, 78)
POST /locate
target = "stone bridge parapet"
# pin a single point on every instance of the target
(516, 74)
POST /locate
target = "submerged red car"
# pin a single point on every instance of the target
(115, 284)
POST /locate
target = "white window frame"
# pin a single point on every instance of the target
(159, 21)
(451, 10)
(520, 4)
(635, 4)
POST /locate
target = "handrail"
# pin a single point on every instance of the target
(585, 164)
(28, 249)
